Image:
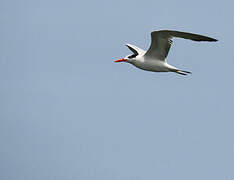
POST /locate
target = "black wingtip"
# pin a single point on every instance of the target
(205, 38)
(214, 40)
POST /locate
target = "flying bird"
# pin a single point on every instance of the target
(155, 58)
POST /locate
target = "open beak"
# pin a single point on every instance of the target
(120, 60)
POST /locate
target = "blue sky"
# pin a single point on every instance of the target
(68, 112)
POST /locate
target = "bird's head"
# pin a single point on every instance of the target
(128, 58)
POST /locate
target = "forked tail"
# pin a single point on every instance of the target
(178, 71)
(183, 72)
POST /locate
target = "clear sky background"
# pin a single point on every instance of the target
(68, 112)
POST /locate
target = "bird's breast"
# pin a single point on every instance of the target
(151, 65)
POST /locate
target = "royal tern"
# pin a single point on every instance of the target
(155, 58)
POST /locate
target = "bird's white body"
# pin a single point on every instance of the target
(150, 64)
(155, 58)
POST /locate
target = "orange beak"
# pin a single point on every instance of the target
(120, 60)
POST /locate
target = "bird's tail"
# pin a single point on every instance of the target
(182, 72)
(178, 71)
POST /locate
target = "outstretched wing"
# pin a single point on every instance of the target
(161, 42)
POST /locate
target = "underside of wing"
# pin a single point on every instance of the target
(161, 42)
(185, 35)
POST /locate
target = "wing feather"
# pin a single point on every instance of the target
(161, 42)
(135, 50)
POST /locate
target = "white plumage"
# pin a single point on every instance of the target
(155, 58)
